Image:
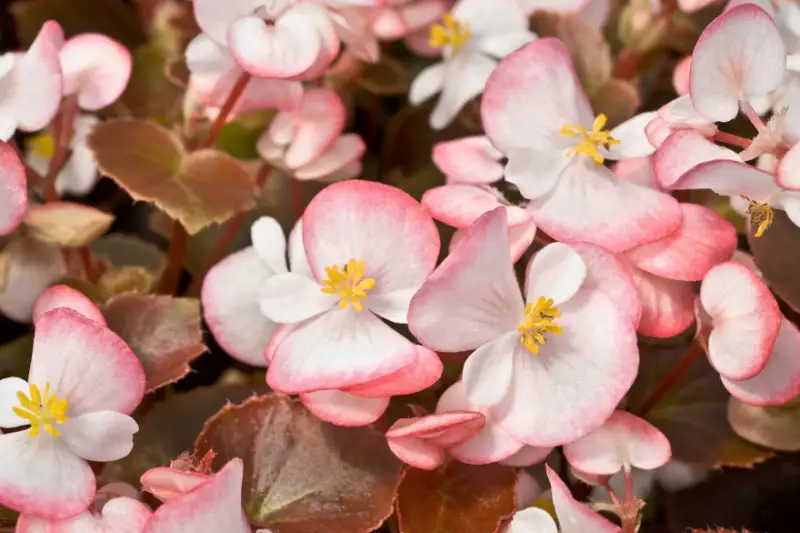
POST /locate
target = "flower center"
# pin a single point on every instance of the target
(539, 319)
(761, 216)
(589, 142)
(450, 33)
(42, 412)
(41, 145)
(348, 284)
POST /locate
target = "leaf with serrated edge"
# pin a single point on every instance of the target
(151, 164)
(67, 224)
(164, 332)
(303, 475)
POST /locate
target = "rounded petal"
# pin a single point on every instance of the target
(730, 178)
(465, 78)
(42, 477)
(459, 205)
(500, 16)
(310, 358)
(555, 272)
(472, 298)
(632, 139)
(779, 381)
(427, 83)
(574, 517)
(667, 305)
(85, 363)
(214, 17)
(531, 95)
(414, 378)
(269, 243)
(704, 240)
(605, 273)
(34, 266)
(393, 306)
(100, 436)
(444, 428)
(96, 68)
(317, 124)
(418, 453)
(166, 483)
(740, 55)
(374, 223)
(528, 456)
(684, 150)
(624, 441)
(215, 505)
(343, 409)
(746, 320)
(291, 298)
(231, 308)
(638, 170)
(788, 175)
(9, 388)
(487, 372)
(64, 296)
(531, 520)
(681, 76)
(13, 189)
(469, 160)
(345, 151)
(590, 204)
(581, 374)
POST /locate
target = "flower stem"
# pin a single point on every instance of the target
(224, 241)
(730, 138)
(686, 362)
(177, 252)
(63, 128)
(88, 265)
(236, 92)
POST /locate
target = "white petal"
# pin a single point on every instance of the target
(269, 243)
(555, 272)
(487, 372)
(9, 387)
(290, 298)
(465, 79)
(427, 83)
(100, 436)
(392, 306)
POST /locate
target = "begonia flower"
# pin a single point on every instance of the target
(84, 382)
(13, 189)
(96, 69)
(32, 267)
(31, 83)
(213, 76)
(308, 143)
(574, 343)
(472, 38)
(272, 39)
(79, 174)
(118, 515)
(748, 337)
(623, 442)
(399, 18)
(369, 248)
(536, 113)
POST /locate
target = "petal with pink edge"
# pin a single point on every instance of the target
(167, 483)
(680, 76)
(317, 124)
(788, 174)
(345, 151)
(704, 239)
(86, 363)
(445, 428)
(309, 357)
(528, 456)
(64, 296)
(632, 139)
(343, 409)
(424, 373)
(459, 205)
(684, 150)
(465, 79)
(730, 178)
(779, 381)
(472, 298)
(740, 55)
(416, 452)
(531, 520)
(638, 170)
(667, 305)
(213, 506)
(119, 515)
(531, 95)
(214, 18)
(555, 272)
(469, 160)
(230, 298)
(375, 223)
(37, 80)
(574, 517)
(590, 204)
(624, 441)
(581, 374)
(41, 476)
(96, 68)
(746, 320)
(13, 189)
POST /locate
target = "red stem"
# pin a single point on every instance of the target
(686, 362)
(730, 138)
(236, 92)
(177, 252)
(224, 241)
(751, 114)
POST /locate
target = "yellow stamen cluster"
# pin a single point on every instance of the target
(41, 145)
(589, 142)
(539, 319)
(450, 33)
(42, 412)
(761, 216)
(347, 283)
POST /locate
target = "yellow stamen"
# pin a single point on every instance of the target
(590, 141)
(761, 216)
(347, 283)
(41, 145)
(42, 412)
(450, 33)
(539, 319)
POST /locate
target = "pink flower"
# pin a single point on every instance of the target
(84, 381)
(369, 248)
(118, 515)
(31, 83)
(272, 38)
(214, 73)
(536, 113)
(96, 69)
(472, 39)
(308, 143)
(573, 342)
(13, 189)
(751, 345)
